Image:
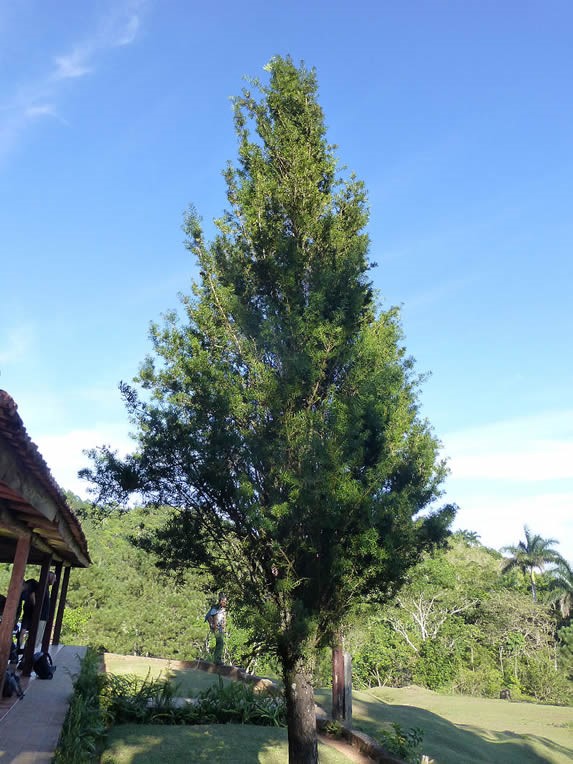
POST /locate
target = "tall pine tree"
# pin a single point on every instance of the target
(279, 417)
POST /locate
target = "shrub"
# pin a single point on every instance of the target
(84, 726)
(152, 701)
(545, 683)
(405, 744)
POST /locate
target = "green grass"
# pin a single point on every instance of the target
(221, 743)
(187, 681)
(466, 729)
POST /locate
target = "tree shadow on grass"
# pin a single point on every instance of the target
(449, 743)
(221, 743)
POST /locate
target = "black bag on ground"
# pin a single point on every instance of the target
(11, 685)
(43, 665)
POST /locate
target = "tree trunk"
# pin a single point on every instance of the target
(533, 587)
(301, 716)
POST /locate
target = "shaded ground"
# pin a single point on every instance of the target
(221, 743)
(465, 729)
(146, 744)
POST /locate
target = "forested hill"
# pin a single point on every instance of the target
(459, 624)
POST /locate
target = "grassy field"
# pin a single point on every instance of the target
(220, 743)
(187, 682)
(468, 730)
(457, 729)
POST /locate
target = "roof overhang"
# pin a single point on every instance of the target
(31, 502)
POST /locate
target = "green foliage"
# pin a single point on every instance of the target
(403, 743)
(124, 604)
(532, 555)
(435, 667)
(459, 624)
(131, 699)
(560, 589)
(379, 656)
(543, 681)
(279, 416)
(84, 726)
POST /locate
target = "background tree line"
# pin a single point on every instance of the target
(465, 621)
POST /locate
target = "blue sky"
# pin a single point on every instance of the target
(458, 116)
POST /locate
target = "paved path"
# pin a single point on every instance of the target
(30, 728)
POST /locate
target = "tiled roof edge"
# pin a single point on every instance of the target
(13, 429)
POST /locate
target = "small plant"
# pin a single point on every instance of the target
(129, 698)
(237, 702)
(334, 728)
(405, 744)
(84, 726)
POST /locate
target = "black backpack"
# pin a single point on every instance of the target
(12, 685)
(43, 665)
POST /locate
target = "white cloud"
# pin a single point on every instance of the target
(64, 455)
(514, 472)
(499, 520)
(72, 65)
(130, 30)
(39, 97)
(16, 344)
(534, 448)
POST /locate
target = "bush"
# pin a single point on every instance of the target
(484, 680)
(545, 683)
(84, 726)
(436, 666)
(143, 701)
(405, 744)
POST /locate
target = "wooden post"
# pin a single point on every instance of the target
(337, 683)
(53, 601)
(341, 685)
(12, 602)
(348, 688)
(61, 606)
(30, 648)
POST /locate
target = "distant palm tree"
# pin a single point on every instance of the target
(561, 588)
(471, 538)
(531, 555)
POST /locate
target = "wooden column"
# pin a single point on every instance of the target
(341, 685)
(28, 658)
(61, 606)
(53, 602)
(12, 601)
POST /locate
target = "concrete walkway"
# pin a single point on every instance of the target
(30, 728)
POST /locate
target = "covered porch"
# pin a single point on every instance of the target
(37, 527)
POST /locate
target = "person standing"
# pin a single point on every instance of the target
(217, 620)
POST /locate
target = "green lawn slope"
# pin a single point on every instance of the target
(470, 730)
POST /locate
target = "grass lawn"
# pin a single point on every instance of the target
(220, 743)
(465, 729)
(188, 682)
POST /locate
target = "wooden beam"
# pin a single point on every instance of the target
(61, 606)
(21, 529)
(30, 648)
(12, 602)
(53, 602)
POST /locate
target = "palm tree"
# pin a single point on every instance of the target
(531, 555)
(561, 588)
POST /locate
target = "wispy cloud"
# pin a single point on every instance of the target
(39, 98)
(16, 344)
(531, 449)
(72, 65)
